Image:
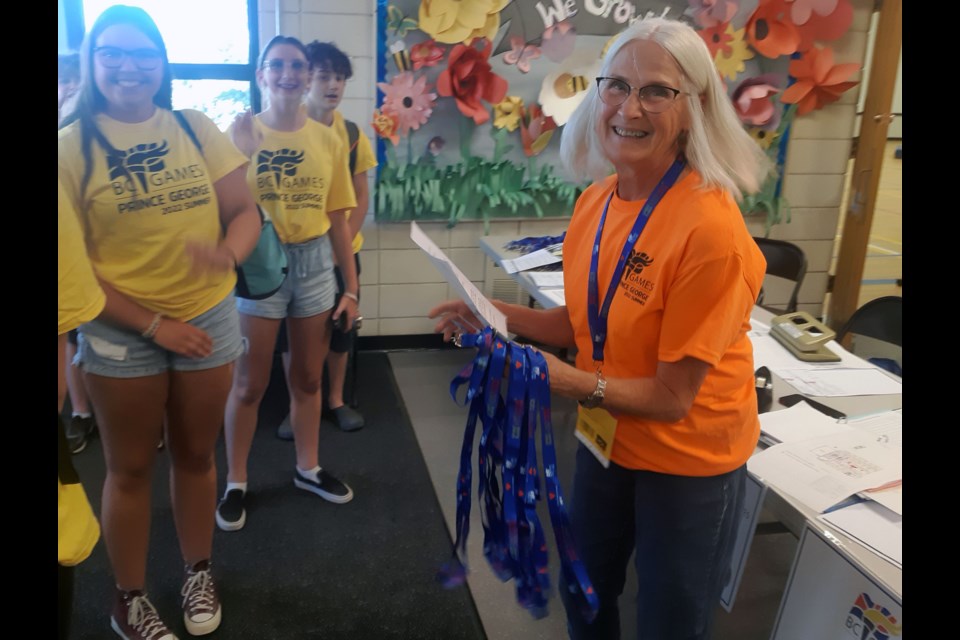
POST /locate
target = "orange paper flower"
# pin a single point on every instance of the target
(819, 81)
(771, 32)
(385, 124)
(718, 39)
(469, 79)
(825, 28)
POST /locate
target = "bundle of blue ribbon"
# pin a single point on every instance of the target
(509, 485)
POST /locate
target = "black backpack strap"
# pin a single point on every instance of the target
(186, 127)
(353, 135)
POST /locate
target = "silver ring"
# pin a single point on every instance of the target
(357, 323)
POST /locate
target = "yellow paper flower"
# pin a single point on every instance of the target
(455, 21)
(506, 114)
(732, 64)
(762, 137)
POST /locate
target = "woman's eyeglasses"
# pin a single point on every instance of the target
(143, 59)
(276, 65)
(654, 98)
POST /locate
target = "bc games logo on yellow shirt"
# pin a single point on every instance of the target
(281, 163)
(136, 163)
(868, 620)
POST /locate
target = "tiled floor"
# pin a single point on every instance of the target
(424, 381)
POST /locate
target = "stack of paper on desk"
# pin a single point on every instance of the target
(826, 469)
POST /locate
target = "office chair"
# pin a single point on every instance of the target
(880, 322)
(784, 260)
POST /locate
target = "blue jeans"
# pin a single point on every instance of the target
(682, 528)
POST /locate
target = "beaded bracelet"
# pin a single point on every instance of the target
(151, 331)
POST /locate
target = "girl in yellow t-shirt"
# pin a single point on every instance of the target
(165, 220)
(300, 177)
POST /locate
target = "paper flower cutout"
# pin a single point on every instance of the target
(763, 137)
(469, 79)
(819, 82)
(562, 90)
(455, 21)
(801, 10)
(710, 13)
(506, 113)
(558, 40)
(825, 28)
(385, 124)
(732, 64)
(771, 32)
(425, 54)
(536, 129)
(752, 100)
(407, 99)
(521, 54)
(718, 39)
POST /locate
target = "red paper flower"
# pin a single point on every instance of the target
(825, 28)
(717, 39)
(426, 54)
(771, 32)
(469, 79)
(536, 130)
(819, 81)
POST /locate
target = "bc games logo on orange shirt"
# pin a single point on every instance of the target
(872, 621)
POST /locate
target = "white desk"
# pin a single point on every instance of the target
(788, 510)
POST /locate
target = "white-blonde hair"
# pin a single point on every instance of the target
(717, 145)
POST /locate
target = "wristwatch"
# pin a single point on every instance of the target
(594, 399)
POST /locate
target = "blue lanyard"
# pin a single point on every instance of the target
(597, 317)
(509, 487)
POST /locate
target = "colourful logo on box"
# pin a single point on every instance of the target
(868, 620)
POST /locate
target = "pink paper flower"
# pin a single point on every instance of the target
(469, 79)
(753, 103)
(408, 100)
(801, 10)
(425, 54)
(710, 13)
(558, 40)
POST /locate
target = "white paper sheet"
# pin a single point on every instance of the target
(821, 472)
(477, 302)
(873, 526)
(530, 261)
(799, 422)
(557, 295)
(546, 279)
(841, 382)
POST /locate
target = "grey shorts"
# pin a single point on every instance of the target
(107, 350)
(309, 289)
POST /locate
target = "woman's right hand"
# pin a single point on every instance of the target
(245, 135)
(183, 338)
(455, 317)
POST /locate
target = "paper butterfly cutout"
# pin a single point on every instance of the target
(521, 54)
(398, 22)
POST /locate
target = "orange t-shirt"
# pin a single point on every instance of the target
(688, 289)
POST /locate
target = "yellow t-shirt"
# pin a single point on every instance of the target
(366, 159)
(79, 296)
(144, 202)
(298, 176)
(688, 289)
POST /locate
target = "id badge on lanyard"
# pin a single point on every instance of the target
(596, 428)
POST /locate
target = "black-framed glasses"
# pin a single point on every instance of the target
(277, 64)
(654, 98)
(144, 59)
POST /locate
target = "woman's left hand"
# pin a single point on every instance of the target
(347, 306)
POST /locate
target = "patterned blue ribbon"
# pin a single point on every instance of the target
(509, 486)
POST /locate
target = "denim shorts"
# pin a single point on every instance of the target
(309, 289)
(107, 350)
